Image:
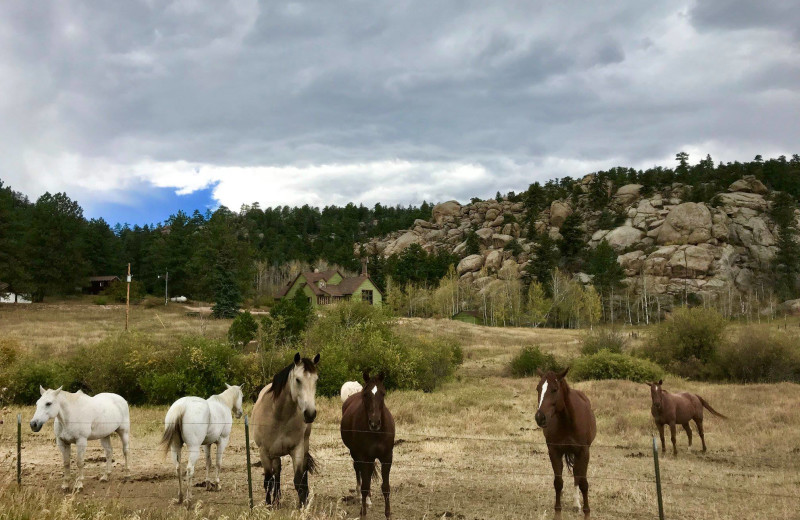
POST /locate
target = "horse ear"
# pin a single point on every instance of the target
(297, 359)
(227, 385)
(58, 390)
(365, 375)
(660, 382)
(563, 374)
(539, 372)
(381, 376)
(41, 390)
(316, 358)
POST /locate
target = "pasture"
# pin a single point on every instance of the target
(467, 451)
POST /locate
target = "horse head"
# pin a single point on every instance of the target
(303, 386)
(237, 401)
(657, 394)
(373, 395)
(551, 391)
(47, 407)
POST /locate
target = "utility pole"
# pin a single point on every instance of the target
(128, 298)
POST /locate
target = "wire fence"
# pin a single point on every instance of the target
(337, 471)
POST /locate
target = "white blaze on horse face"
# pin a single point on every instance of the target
(305, 390)
(375, 390)
(541, 397)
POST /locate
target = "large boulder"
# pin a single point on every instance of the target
(691, 261)
(450, 208)
(687, 223)
(559, 211)
(494, 259)
(485, 234)
(628, 194)
(500, 240)
(470, 264)
(750, 184)
(730, 202)
(624, 237)
(632, 262)
(405, 240)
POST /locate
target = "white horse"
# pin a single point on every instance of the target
(80, 418)
(200, 422)
(350, 388)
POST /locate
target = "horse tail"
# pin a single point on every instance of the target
(708, 407)
(376, 473)
(569, 458)
(311, 464)
(172, 428)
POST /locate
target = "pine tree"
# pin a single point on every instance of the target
(786, 263)
(572, 244)
(608, 274)
(473, 246)
(544, 261)
(227, 296)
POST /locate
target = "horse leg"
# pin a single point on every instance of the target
(66, 449)
(106, 442)
(386, 467)
(80, 451)
(176, 459)
(558, 482)
(300, 476)
(276, 472)
(194, 454)
(661, 434)
(269, 478)
(125, 437)
(358, 480)
(699, 423)
(207, 449)
(580, 472)
(367, 468)
(221, 445)
(688, 432)
(673, 434)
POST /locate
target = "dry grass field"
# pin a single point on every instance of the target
(467, 451)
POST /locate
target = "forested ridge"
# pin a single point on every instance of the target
(48, 247)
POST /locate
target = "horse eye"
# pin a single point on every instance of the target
(553, 391)
(48, 404)
(299, 382)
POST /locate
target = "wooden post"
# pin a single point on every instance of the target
(658, 481)
(19, 449)
(128, 298)
(247, 451)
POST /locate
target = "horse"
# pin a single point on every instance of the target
(350, 388)
(282, 418)
(196, 422)
(80, 418)
(367, 430)
(567, 421)
(672, 409)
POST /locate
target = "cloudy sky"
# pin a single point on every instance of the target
(139, 108)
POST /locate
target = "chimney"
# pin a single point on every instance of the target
(364, 266)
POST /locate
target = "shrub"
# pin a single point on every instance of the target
(609, 365)
(26, 375)
(117, 291)
(354, 336)
(687, 344)
(760, 356)
(295, 312)
(243, 329)
(531, 359)
(603, 339)
(151, 302)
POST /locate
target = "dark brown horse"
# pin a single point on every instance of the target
(675, 409)
(566, 418)
(368, 432)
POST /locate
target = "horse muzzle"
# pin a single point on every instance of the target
(309, 417)
(374, 426)
(541, 419)
(36, 426)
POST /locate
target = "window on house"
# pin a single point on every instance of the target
(366, 296)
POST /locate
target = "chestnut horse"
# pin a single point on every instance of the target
(368, 432)
(567, 421)
(675, 409)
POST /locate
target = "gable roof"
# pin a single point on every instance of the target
(344, 288)
(110, 278)
(311, 278)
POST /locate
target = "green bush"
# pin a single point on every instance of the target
(117, 291)
(761, 356)
(687, 344)
(352, 337)
(603, 339)
(100, 300)
(24, 377)
(295, 314)
(243, 329)
(610, 365)
(529, 360)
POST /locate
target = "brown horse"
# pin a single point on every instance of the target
(675, 409)
(368, 432)
(567, 421)
(282, 418)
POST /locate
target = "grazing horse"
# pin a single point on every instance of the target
(196, 422)
(567, 421)
(368, 432)
(80, 418)
(282, 418)
(350, 388)
(675, 409)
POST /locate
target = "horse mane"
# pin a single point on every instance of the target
(281, 378)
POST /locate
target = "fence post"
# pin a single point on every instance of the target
(658, 480)
(19, 449)
(247, 452)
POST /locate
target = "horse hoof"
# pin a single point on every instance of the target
(369, 501)
(65, 487)
(103, 478)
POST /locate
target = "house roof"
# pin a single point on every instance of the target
(311, 278)
(344, 288)
(109, 278)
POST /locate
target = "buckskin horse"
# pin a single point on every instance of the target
(282, 418)
(672, 409)
(567, 421)
(368, 432)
